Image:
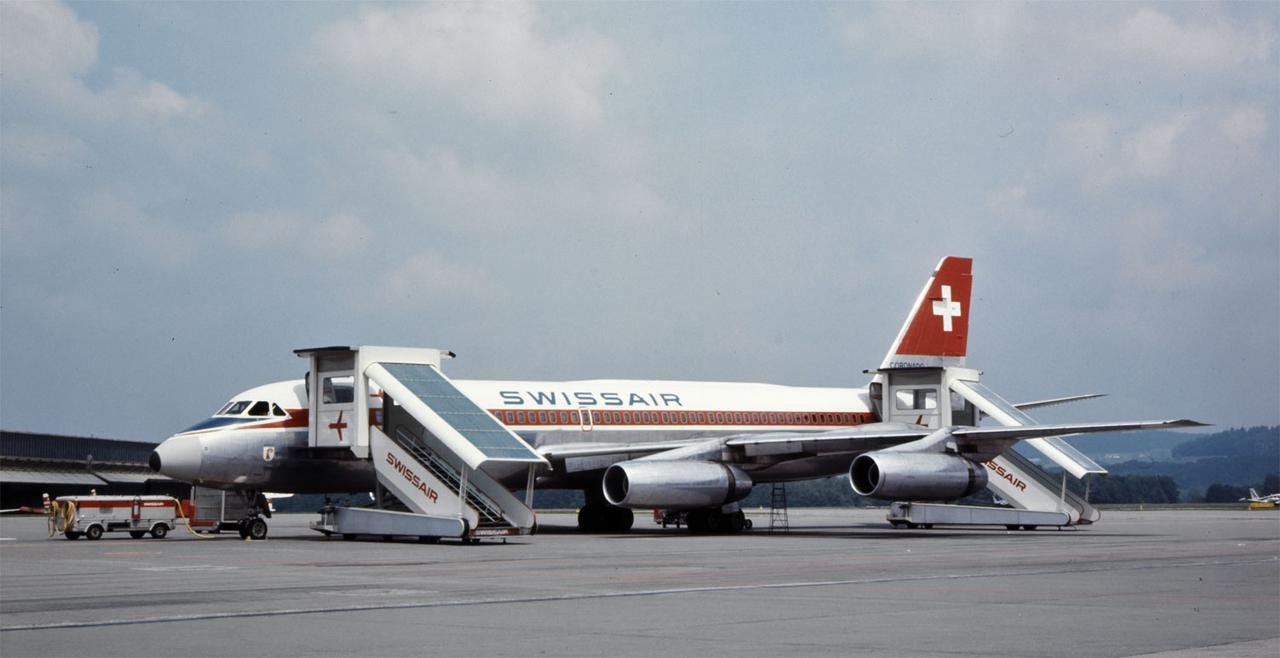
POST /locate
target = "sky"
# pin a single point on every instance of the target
(692, 191)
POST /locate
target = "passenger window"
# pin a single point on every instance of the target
(260, 408)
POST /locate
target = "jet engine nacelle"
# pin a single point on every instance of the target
(915, 476)
(674, 484)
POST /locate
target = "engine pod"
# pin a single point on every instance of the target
(915, 476)
(674, 484)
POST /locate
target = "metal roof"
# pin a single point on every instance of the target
(12, 474)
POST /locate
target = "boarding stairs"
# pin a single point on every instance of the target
(953, 395)
(433, 450)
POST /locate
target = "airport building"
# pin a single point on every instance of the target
(32, 464)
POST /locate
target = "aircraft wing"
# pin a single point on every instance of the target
(852, 440)
(985, 439)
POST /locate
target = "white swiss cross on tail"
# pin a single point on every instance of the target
(923, 341)
(946, 308)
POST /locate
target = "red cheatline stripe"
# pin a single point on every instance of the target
(663, 418)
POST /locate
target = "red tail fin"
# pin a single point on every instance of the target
(937, 331)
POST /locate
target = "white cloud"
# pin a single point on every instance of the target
(340, 235)
(1208, 143)
(35, 147)
(47, 51)
(1244, 125)
(429, 276)
(501, 60)
(1011, 204)
(134, 232)
(1059, 47)
(1209, 45)
(1152, 150)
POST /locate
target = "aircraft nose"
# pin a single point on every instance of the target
(178, 457)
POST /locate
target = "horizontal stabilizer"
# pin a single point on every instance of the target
(1024, 406)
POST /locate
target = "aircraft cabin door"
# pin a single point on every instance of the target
(335, 424)
(914, 397)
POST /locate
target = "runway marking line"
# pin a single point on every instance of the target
(605, 595)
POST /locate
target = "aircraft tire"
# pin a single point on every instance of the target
(620, 519)
(596, 518)
(715, 522)
(256, 529)
(735, 522)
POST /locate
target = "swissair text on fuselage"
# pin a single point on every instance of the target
(589, 399)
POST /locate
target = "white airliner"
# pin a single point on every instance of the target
(1255, 498)
(679, 445)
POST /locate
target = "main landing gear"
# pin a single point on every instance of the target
(604, 518)
(714, 521)
(599, 516)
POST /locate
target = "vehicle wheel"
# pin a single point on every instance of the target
(71, 535)
(137, 534)
(160, 531)
(749, 524)
(93, 532)
(257, 529)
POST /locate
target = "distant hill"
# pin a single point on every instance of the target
(1239, 457)
(1125, 446)
(1257, 442)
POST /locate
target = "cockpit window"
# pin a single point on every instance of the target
(277, 411)
(234, 408)
(260, 408)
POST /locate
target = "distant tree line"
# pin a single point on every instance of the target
(1228, 493)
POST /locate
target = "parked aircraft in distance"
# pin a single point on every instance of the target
(912, 433)
(1255, 498)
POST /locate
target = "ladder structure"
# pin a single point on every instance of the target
(433, 449)
(778, 509)
(952, 395)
